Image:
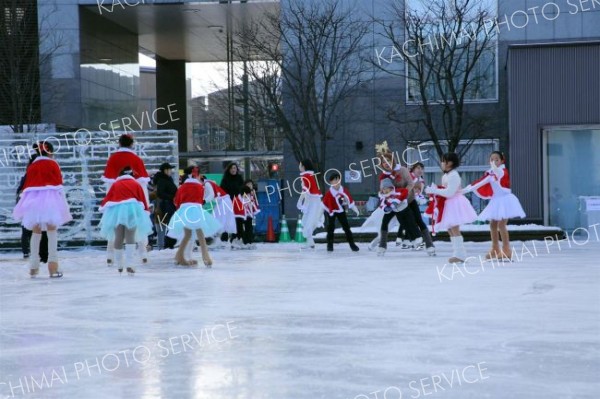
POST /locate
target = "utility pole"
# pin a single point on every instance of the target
(246, 122)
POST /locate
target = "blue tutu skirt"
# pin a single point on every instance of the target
(129, 214)
(192, 217)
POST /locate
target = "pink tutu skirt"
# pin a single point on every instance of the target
(42, 207)
(502, 206)
(457, 211)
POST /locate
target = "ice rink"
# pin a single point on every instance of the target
(284, 324)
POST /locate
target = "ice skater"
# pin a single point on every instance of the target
(503, 205)
(191, 217)
(126, 157)
(246, 208)
(25, 233)
(455, 209)
(416, 173)
(125, 217)
(337, 201)
(401, 178)
(42, 206)
(219, 203)
(393, 203)
(232, 182)
(309, 203)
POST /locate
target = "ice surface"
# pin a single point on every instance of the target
(464, 227)
(306, 325)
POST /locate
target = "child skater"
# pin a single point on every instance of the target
(416, 176)
(246, 208)
(337, 201)
(457, 210)
(400, 177)
(42, 206)
(503, 205)
(393, 203)
(125, 156)
(125, 217)
(309, 203)
(191, 216)
(416, 173)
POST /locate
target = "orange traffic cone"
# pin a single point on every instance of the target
(270, 230)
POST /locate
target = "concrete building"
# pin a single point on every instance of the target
(93, 76)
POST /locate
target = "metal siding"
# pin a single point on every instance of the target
(547, 85)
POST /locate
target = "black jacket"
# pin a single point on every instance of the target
(232, 184)
(165, 186)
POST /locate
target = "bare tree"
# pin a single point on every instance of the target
(263, 129)
(21, 32)
(449, 49)
(311, 61)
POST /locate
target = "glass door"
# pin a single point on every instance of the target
(571, 171)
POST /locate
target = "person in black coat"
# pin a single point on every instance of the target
(165, 208)
(232, 183)
(25, 233)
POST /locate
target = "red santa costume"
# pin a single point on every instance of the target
(435, 210)
(126, 157)
(394, 201)
(42, 201)
(495, 186)
(190, 214)
(42, 204)
(245, 206)
(120, 159)
(125, 204)
(336, 201)
(309, 204)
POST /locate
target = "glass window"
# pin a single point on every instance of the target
(572, 177)
(468, 50)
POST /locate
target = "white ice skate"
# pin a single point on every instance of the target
(236, 244)
(380, 251)
(309, 245)
(374, 244)
(431, 251)
(417, 244)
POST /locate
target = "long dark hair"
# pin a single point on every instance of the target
(308, 165)
(232, 184)
(451, 157)
(228, 169)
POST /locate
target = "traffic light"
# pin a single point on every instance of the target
(273, 170)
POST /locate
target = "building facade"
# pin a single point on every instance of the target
(542, 109)
(540, 100)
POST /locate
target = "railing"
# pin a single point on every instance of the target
(82, 157)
